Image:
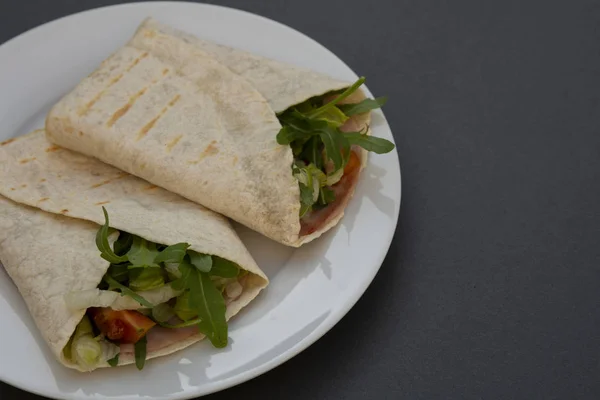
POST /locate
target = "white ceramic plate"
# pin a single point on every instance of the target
(311, 288)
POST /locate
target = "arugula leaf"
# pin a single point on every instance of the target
(345, 93)
(298, 146)
(205, 301)
(209, 303)
(102, 243)
(118, 272)
(203, 262)
(363, 106)
(123, 243)
(126, 291)
(224, 268)
(288, 135)
(113, 362)
(142, 254)
(180, 283)
(334, 116)
(370, 143)
(139, 349)
(295, 127)
(336, 145)
(313, 152)
(173, 254)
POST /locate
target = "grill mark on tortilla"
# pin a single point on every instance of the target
(26, 160)
(136, 61)
(52, 149)
(165, 71)
(144, 131)
(121, 175)
(151, 187)
(7, 141)
(80, 133)
(114, 80)
(102, 202)
(43, 199)
(173, 142)
(91, 103)
(123, 110)
(210, 150)
(24, 185)
(43, 180)
(13, 189)
(64, 211)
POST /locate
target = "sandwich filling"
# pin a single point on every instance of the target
(326, 138)
(151, 297)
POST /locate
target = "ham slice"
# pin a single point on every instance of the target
(160, 338)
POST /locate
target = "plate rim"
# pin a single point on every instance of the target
(322, 329)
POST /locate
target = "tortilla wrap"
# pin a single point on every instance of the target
(199, 120)
(50, 211)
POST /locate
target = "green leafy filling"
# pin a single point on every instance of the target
(139, 265)
(139, 351)
(321, 150)
(113, 362)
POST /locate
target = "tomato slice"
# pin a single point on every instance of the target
(353, 164)
(124, 326)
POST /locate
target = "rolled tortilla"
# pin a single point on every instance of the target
(50, 209)
(199, 119)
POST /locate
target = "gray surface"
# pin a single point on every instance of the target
(490, 289)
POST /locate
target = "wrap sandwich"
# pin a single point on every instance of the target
(272, 146)
(159, 275)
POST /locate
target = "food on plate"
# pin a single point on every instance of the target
(275, 147)
(113, 269)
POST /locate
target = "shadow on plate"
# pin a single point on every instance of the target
(279, 348)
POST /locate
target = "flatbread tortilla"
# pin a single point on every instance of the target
(50, 211)
(199, 119)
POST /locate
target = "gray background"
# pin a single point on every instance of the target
(490, 289)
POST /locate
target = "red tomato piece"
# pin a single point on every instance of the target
(353, 164)
(124, 326)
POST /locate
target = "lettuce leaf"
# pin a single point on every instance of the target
(112, 284)
(145, 278)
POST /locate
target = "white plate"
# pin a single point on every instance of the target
(311, 288)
